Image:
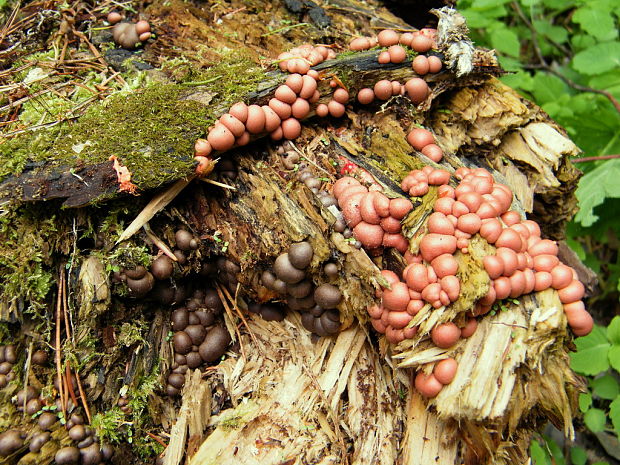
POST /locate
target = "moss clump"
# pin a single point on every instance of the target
(26, 266)
(151, 131)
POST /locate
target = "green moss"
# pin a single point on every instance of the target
(131, 334)
(151, 131)
(27, 237)
(109, 425)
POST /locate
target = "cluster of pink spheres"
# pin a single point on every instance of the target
(374, 218)
(420, 42)
(523, 262)
(128, 35)
(293, 99)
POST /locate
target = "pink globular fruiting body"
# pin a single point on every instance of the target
(522, 261)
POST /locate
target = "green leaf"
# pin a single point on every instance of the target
(548, 88)
(605, 387)
(538, 454)
(505, 41)
(519, 80)
(598, 58)
(591, 355)
(585, 402)
(578, 456)
(596, 21)
(556, 451)
(595, 187)
(487, 4)
(556, 33)
(613, 331)
(595, 420)
(614, 414)
(614, 357)
(609, 81)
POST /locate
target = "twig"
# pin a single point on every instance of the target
(581, 88)
(57, 355)
(70, 383)
(238, 310)
(27, 374)
(159, 243)
(217, 183)
(158, 439)
(600, 157)
(83, 396)
(218, 288)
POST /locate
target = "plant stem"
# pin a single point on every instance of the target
(601, 157)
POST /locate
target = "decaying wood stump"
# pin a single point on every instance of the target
(281, 395)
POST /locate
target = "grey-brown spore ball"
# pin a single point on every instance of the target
(183, 239)
(182, 342)
(5, 367)
(67, 456)
(77, 433)
(331, 270)
(40, 357)
(39, 441)
(33, 406)
(215, 344)
(286, 271)
(327, 296)
(10, 353)
(140, 287)
(300, 289)
(330, 325)
(10, 441)
(180, 319)
(194, 360)
(91, 455)
(162, 267)
(47, 420)
(176, 380)
(196, 333)
(213, 301)
(300, 255)
(267, 279)
(308, 321)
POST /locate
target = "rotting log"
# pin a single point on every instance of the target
(282, 395)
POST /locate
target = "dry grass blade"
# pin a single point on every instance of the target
(229, 312)
(159, 243)
(238, 310)
(157, 204)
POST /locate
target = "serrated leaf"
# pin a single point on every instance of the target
(591, 355)
(597, 22)
(595, 419)
(594, 187)
(585, 402)
(609, 81)
(598, 58)
(613, 331)
(605, 387)
(519, 80)
(578, 455)
(538, 454)
(614, 357)
(556, 33)
(614, 414)
(506, 41)
(548, 88)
